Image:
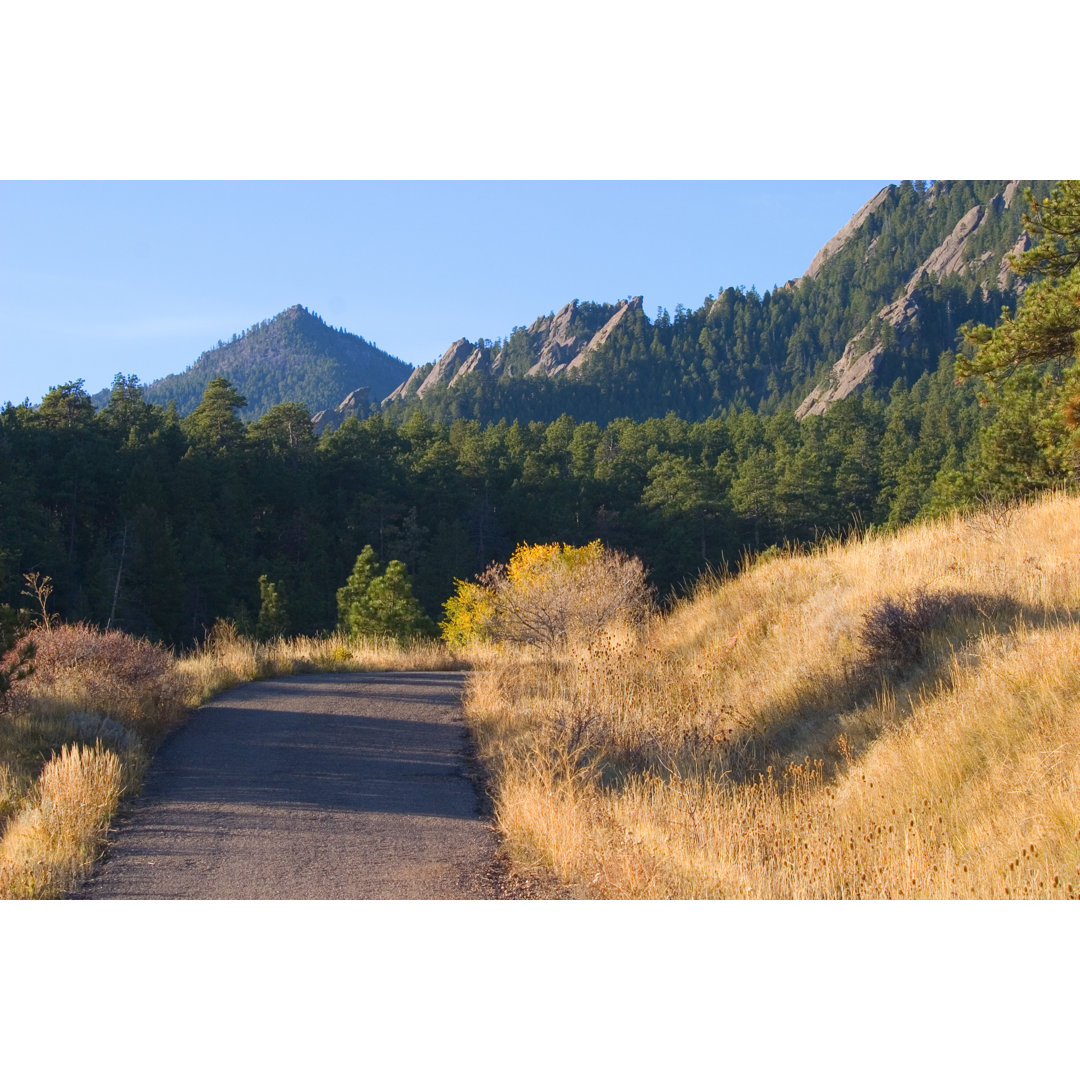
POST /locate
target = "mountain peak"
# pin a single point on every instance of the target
(294, 356)
(837, 242)
(976, 247)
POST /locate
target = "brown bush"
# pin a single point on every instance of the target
(895, 631)
(109, 673)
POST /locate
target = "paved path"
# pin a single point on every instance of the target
(314, 787)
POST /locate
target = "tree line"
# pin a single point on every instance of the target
(159, 524)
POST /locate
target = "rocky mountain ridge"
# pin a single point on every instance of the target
(834, 245)
(882, 299)
(552, 345)
(960, 254)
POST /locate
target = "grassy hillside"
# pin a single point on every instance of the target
(894, 717)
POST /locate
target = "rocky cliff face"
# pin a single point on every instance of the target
(834, 246)
(553, 344)
(355, 404)
(966, 250)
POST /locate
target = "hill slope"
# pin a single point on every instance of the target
(294, 356)
(890, 718)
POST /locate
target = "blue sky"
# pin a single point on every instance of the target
(140, 277)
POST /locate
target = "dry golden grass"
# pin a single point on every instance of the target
(228, 659)
(49, 844)
(75, 736)
(80, 731)
(79, 669)
(894, 717)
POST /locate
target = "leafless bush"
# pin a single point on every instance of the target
(107, 673)
(994, 516)
(550, 595)
(894, 631)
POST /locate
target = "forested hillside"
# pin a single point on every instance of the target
(160, 525)
(898, 282)
(294, 356)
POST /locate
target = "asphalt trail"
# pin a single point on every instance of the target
(313, 787)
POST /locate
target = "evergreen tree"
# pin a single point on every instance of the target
(683, 490)
(272, 621)
(394, 610)
(753, 490)
(354, 611)
(127, 411)
(1031, 360)
(66, 406)
(285, 431)
(214, 424)
(371, 604)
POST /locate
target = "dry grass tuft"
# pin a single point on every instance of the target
(890, 717)
(51, 841)
(75, 734)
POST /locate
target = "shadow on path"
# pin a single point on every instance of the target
(313, 786)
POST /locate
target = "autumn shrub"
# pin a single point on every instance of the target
(469, 614)
(549, 595)
(79, 668)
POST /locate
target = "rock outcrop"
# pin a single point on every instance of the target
(551, 341)
(845, 234)
(446, 367)
(958, 254)
(354, 404)
(623, 308)
(410, 385)
(1006, 278)
(948, 257)
(558, 350)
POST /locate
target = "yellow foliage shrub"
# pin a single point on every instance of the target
(548, 595)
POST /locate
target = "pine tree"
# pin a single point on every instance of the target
(753, 490)
(395, 612)
(214, 424)
(371, 604)
(272, 621)
(1031, 360)
(354, 612)
(66, 406)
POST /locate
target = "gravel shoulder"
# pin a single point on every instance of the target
(357, 786)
